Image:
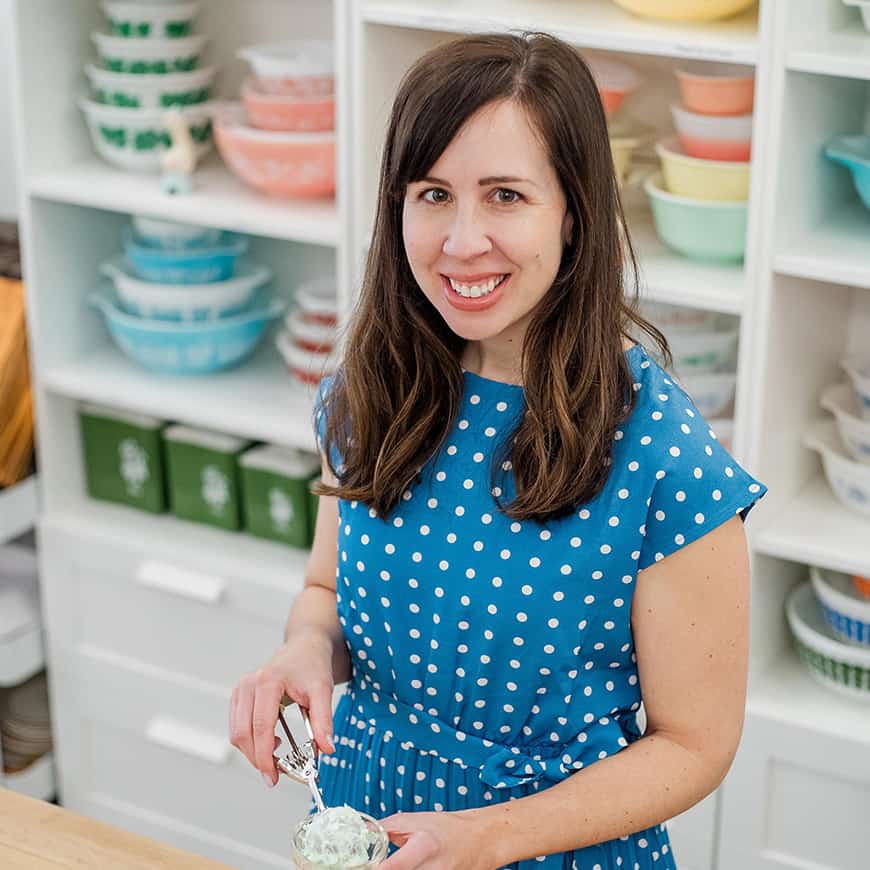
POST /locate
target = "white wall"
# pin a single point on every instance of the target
(8, 179)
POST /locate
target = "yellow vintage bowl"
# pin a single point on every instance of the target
(685, 10)
(622, 147)
(702, 179)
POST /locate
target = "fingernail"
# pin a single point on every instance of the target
(268, 780)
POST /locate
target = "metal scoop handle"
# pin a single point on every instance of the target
(301, 764)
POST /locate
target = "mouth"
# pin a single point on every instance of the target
(474, 296)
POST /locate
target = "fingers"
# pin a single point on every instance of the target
(269, 691)
(320, 715)
(415, 851)
(241, 711)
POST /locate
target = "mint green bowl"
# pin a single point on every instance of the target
(707, 230)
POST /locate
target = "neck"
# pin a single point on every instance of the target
(498, 363)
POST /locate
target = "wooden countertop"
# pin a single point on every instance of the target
(35, 834)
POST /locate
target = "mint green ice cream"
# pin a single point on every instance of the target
(338, 837)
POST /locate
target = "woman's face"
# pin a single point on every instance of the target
(485, 230)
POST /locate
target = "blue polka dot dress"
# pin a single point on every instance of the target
(493, 658)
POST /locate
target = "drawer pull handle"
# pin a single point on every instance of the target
(173, 734)
(189, 584)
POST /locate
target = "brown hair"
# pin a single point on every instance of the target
(400, 385)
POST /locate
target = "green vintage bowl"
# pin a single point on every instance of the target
(707, 230)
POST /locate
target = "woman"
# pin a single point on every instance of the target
(525, 525)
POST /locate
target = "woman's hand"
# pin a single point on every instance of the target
(436, 841)
(301, 669)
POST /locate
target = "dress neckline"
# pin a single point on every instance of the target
(479, 379)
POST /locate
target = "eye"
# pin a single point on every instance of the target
(506, 196)
(435, 195)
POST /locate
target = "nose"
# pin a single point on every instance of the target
(467, 235)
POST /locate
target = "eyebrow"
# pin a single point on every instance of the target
(490, 179)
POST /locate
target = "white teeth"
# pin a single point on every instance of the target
(473, 291)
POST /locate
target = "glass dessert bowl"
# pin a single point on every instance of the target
(339, 838)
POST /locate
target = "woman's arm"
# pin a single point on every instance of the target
(314, 608)
(690, 621)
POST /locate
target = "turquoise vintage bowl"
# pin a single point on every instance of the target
(853, 152)
(707, 230)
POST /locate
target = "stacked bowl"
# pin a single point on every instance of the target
(687, 10)
(149, 61)
(830, 623)
(844, 441)
(309, 339)
(281, 138)
(700, 198)
(704, 349)
(183, 301)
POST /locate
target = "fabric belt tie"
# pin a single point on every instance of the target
(499, 765)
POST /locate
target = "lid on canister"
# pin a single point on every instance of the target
(143, 421)
(281, 460)
(318, 296)
(205, 438)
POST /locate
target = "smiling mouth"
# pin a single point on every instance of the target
(481, 288)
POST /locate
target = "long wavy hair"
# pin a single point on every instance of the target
(399, 387)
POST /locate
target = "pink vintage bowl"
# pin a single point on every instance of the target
(710, 89)
(615, 80)
(714, 137)
(277, 163)
(277, 112)
(716, 149)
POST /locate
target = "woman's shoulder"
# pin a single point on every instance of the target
(658, 394)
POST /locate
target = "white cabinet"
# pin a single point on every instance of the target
(149, 619)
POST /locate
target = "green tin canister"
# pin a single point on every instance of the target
(275, 490)
(203, 473)
(123, 457)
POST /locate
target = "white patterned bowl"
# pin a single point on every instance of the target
(854, 431)
(846, 610)
(838, 666)
(849, 480)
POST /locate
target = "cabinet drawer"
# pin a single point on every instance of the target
(145, 741)
(159, 608)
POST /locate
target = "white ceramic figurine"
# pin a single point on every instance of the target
(179, 160)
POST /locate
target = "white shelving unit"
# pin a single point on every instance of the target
(124, 655)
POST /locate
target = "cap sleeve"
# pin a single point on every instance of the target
(319, 417)
(701, 485)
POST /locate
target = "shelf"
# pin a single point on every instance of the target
(815, 529)
(36, 781)
(17, 509)
(21, 657)
(669, 277)
(790, 695)
(593, 23)
(210, 549)
(218, 200)
(843, 53)
(258, 400)
(22, 653)
(833, 252)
